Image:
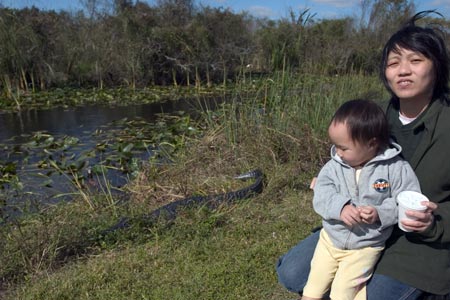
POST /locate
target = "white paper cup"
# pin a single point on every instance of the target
(409, 200)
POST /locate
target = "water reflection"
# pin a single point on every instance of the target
(73, 121)
(77, 122)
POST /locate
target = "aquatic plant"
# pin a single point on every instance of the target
(116, 149)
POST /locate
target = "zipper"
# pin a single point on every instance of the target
(347, 240)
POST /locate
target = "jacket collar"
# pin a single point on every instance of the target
(428, 124)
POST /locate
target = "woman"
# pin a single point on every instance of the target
(415, 70)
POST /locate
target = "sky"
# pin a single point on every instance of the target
(273, 9)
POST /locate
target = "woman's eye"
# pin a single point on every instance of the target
(392, 64)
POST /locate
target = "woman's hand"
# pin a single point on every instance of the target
(313, 183)
(423, 219)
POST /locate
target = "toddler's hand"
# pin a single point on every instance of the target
(368, 214)
(350, 215)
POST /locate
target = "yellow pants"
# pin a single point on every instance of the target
(345, 271)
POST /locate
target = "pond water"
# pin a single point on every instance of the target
(51, 149)
(76, 120)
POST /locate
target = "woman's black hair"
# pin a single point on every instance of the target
(429, 41)
(365, 120)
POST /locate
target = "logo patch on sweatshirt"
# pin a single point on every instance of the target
(381, 185)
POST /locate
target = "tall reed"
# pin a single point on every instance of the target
(11, 92)
(287, 102)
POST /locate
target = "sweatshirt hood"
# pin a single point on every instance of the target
(393, 150)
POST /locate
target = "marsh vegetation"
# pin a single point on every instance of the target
(276, 85)
(227, 253)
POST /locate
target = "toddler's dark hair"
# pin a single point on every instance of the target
(365, 120)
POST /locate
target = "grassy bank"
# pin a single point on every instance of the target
(229, 253)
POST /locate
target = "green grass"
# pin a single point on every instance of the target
(225, 254)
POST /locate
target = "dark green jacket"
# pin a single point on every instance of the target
(423, 260)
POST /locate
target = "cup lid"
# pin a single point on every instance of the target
(411, 199)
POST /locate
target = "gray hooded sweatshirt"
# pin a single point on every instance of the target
(380, 180)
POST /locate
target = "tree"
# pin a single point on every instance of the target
(386, 16)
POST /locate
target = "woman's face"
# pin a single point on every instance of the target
(410, 75)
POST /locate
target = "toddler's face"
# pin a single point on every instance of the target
(353, 153)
